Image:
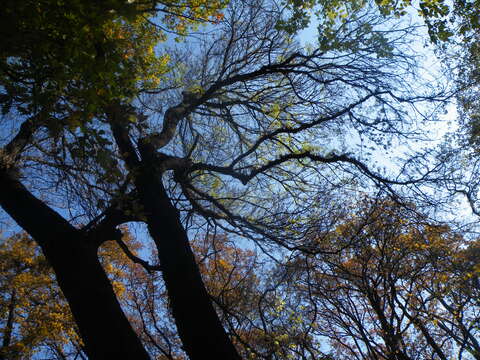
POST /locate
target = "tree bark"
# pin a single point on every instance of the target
(103, 326)
(199, 327)
(7, 333)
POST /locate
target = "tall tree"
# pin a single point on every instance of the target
(238, 98)
(392, 286)
(68, 55)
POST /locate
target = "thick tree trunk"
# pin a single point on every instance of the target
(199, 327)
(103, 326)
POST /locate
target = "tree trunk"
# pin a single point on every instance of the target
(7, 336)
(103, 326)
(7, 332)
(199, 327)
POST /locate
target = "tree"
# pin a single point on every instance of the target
(247, 296)
(239, 149)
(41, 82)
(393, 286)
(215, 95)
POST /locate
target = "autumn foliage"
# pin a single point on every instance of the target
(386, 283)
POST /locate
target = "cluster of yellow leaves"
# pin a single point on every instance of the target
(228, 272)
(135, 43)
(388, 238)
(183, 15)
(29, 296)
(31, 307)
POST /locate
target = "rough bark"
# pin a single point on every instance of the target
(103, 326)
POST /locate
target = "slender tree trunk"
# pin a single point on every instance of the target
(7, 334)
(198, 325)
(105, 330)
(391, 338)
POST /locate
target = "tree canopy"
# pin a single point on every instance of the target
(250, 162)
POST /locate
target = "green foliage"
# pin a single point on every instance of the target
(439, 15)
(51, 48)
(70, 58)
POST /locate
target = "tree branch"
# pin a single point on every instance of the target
(146, 265)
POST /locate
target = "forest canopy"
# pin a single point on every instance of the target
(192, 179)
